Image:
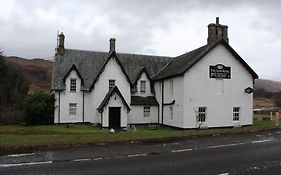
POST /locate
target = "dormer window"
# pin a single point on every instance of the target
(142, 86)
(111, 84)
(72, 85)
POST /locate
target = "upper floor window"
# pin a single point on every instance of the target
(72, 85)
(146, 111)
(72, 108)
(202, 114)
(171, 87)
(236, 113)
(142, 86)
(111, 84)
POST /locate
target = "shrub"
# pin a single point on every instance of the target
(39, 108)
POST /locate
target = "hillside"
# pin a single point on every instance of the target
(268, 85)
(38, 72)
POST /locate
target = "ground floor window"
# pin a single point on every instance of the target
(171, 113)
(146, 111)
(236, 113)
(72, 108)
(202, 114)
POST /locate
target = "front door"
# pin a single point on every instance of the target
(114, 117)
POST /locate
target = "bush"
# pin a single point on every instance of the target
(39, 108)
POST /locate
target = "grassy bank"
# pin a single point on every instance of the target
(13, 137)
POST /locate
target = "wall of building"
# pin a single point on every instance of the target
(136, 116)
(171, 93)
(67, 97)
(218, 95)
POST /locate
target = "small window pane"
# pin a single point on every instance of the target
(142, 86)
(72, 85)
(146, 111)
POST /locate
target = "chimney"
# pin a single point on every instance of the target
(112, 45)
(60, 49)
(217, 31)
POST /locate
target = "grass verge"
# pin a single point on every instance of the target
(13, 137)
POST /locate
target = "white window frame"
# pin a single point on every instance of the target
(236, 113)
(73, 84)
(202, 114)
(111, 84)
(171, 112)
(146, 111)
(142, 86)
(72, 108)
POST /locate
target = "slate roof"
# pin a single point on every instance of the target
(149, 101)
(179, 65)
(107, 98)
(90, 63)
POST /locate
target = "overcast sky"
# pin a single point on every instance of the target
(159, 27)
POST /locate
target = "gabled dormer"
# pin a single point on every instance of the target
(143, 84)
(73, 80)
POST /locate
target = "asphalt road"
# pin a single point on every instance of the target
(253, 153)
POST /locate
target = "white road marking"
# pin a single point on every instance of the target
(181, 150)
(137, 155)
(20, 155)
(260, 141)
(226, 145)
(99, 158)
(80, 160)
(224, 174)
(24, 164)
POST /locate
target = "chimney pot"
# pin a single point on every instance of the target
(112, 45)
(217, 20)
(60, 49)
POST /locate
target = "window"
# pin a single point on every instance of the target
(146, 111)
(171, 113)
(236, 113)
(72, 108)
(142, 86)
(202, 114)
(111, 84)
(171, 87)
(72, 85)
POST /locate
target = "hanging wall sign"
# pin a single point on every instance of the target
(220, 71)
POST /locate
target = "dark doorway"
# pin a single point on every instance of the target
(114, 117)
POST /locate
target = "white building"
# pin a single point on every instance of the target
(208, 87)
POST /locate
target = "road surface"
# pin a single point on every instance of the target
(252, 153)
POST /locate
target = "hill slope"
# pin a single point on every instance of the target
(268, 85)
(38, 72)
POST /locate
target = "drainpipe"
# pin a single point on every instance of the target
(59, 109)
(162, 101)
(83, 118)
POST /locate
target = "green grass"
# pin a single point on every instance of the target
(51, 135)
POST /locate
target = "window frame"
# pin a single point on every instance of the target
(142, 86)
(72, 109)
(202, 114)
(236, 114)
(72, 86)
(111, 84)
(146, 111)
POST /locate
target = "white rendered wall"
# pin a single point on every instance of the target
(112, 71)
(147, 88)
(136, 115)
(219, 96)
(67, 97)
